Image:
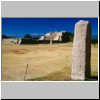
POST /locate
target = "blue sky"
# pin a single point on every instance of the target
(18, 27)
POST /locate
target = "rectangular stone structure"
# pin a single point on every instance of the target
(81, 52)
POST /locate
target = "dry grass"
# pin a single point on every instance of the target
(62, 75)
(46, 62)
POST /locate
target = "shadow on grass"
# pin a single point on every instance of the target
(92, 78)
(62, 75)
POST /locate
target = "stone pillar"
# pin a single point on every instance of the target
(19, 41)
(81, 52)
(51, 41)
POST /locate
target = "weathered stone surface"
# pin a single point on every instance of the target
(81, 52)
(51, 41)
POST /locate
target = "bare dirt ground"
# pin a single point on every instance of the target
(42, 59)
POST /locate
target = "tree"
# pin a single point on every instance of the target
(28, 36)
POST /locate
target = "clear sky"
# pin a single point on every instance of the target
(18, 27)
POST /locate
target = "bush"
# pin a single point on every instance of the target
(28, 39)
(67, 37)
(94, 41)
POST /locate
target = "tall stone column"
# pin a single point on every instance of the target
(51, 41)
(51, 38)
(81, 52)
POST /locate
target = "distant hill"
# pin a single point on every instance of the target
(6, 37)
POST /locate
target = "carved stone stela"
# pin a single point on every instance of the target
(81, 52)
